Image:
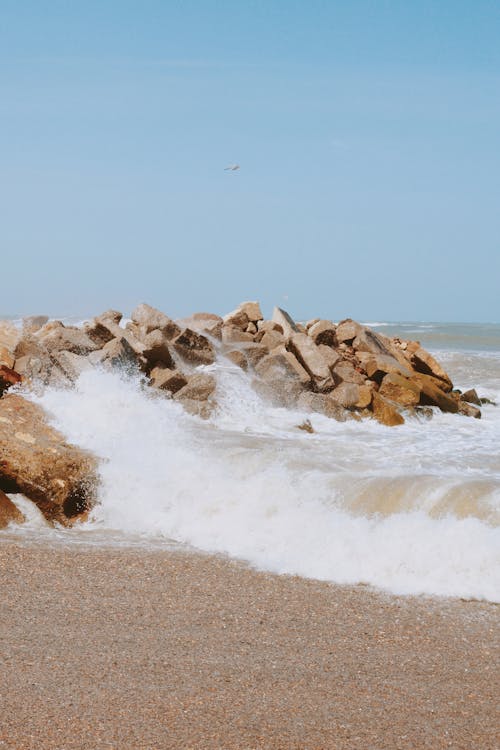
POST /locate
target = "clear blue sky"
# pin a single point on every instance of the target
(368, 136)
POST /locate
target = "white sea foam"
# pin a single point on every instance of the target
(410, 510)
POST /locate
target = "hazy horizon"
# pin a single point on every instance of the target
(367, 138)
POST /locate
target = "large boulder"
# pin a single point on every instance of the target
(198, 395)
(9, 513)
(252, 311)
(36, 461)
(283, 376)
(168, 380)
(322, 403)
(63, 338)
(347, 330)
(194, 348)
(432, 395)
(424, 363)
(403, 391)
(323, 332)
(386, 412)
(287, 323)
(8, 378)
(150, 319)
(311, 358)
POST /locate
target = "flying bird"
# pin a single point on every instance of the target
(232, 167)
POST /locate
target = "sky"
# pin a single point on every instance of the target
(367, 133)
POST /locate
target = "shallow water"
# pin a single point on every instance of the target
(413, 509)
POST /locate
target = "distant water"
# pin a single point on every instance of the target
(413, 509)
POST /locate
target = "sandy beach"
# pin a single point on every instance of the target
(127, 648)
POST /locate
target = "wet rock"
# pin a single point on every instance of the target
(33, 323)
(468, 410)
(199, 387)
(253, 352)
(8, 378)
(311, 358)
(385, 412)
(237, 357)
(347, 395)
(157, 349)
(62, 338)
(232, 334)
(365, 397)
(283, 375)
(322, 403)
(167, 380)
(7, 359)
(236, 319)
(424, 363)
(306, 426)
(194, 347)
(116, 354)
(36, 460)
(72, 365)
(10, 336)
(471, 397)
(432, 395)
(403, 391)
(9, 512)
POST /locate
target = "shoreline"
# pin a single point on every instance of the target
(116, 647)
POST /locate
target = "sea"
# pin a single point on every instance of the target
(410, 510)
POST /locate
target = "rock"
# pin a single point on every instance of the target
(232, 334)
(236, 319)
(269, 325)
(489, 401)
(347, 395)
(365, 397)
(62, 338)
(270, 339)
(8, 378)
(104, 329)
(471, 397)
(311, 358)
(401, 390)
(204, 317)
(285, 321)
(379, 365)
(33, 323)
(323, 332)
(194, 348)
(431, 395)
(10, 336)
(111, 316)
(344, 371)
(425, 363)
(347, 330)
(36, 461)
(322, 403)
(116, 354)
(156, 349)
(213, 329)
(309, 324)
(385, 412)
(469, 410)
(252, 311)
(7, 359)
(254, 352)
(9, 513)
(199, 387)
(284, 375)
(251, 328)
(306, 426)
(150, 319)
(367, 340)
(167, 380)
(237, 357)
(72, 365)
(330, 356)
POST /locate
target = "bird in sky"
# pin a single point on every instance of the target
(232, 167)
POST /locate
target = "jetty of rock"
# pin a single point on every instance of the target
(343, 370)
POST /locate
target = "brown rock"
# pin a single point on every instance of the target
(7, 359)
(252, 311)
(346, 372)
(9, 512)
(423, 362)
(283, 375)
(10, 336)
(198, 388)
(379, 365)
(403, 391)
(269, 325)
(167, 380)
(270, 339)
(330, 356)
(232, 334)
(236, 319)
(347, 330)
(469, 410)
(157, 349)
(8, 378)
(285, 321)
(323, 332)
(471, 397)
(311, 358)
(237, 357)
(365, 397)
(385, 412)
(194, 348)
(118, 354)
(62, 338)
(251, 328)
(432, 395)
(347, 395)
(33, 323)
(151, 319)
(35, 460)
(322, 403)
(72, 365)
(254, 352)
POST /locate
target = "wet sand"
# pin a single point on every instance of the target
(133, 649)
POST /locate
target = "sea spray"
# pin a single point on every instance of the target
(353, 503)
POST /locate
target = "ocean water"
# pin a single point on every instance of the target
(410, 510)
